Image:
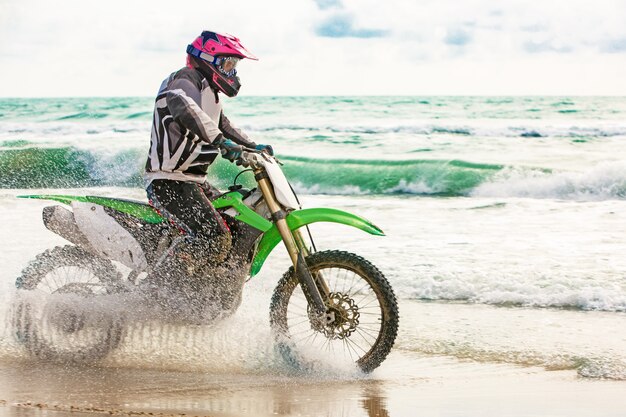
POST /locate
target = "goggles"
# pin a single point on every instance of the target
(225, 64)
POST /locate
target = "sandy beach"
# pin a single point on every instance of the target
(450, 358)
(407, 385)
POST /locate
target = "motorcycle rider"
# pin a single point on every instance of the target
(189, 130)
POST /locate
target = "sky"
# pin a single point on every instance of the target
(83, 48)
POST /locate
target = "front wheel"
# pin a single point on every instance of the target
(361, 301)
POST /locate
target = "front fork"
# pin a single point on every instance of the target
(314, 286)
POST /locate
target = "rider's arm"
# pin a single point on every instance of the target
(182, 102)
(233, 133)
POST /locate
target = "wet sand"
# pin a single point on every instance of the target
(408, 384)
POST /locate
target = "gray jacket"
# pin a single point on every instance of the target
(187, 126)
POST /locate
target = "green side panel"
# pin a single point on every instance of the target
(299, 218)
(133, 208)
(246, 214)
(142, 211)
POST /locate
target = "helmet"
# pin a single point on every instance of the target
(216, 57)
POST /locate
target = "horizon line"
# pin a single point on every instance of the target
(327, 95)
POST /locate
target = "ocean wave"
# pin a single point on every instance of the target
(602, 182)
(84, 115)
(557, 292)
(67, 167)
(70, 125)
(31, 167)
(355, 176)
(24, 166)
(585, 366)
(472, 128)
(69, 131)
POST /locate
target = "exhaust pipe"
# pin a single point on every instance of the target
(61, 221)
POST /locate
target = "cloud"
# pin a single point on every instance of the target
(342, 26)
(614, 45)
(457, 37)
(546, 46)
(440, 46)
(535, 27)
(328, 4)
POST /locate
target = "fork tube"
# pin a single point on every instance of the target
(310, 289)
(297, 235)
(278, 215)
(319, 278)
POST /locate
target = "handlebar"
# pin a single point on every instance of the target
(249, 157)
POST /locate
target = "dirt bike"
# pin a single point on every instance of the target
(334, 303)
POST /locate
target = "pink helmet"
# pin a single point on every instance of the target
(216, 57)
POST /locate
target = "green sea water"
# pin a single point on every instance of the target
(441, 146)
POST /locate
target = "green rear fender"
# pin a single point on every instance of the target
(299, 218)
(134, 208)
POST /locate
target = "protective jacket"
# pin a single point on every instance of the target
(187, 126)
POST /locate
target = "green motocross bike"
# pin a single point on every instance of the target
(334, 303)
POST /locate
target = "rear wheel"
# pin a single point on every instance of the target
(62, 312)
(363, 304)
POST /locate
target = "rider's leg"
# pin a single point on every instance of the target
(186, 204)
(176, 283)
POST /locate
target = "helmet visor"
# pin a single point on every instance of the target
(228, 65)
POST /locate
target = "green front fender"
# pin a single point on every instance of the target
(297, 219)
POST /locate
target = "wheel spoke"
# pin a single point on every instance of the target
(363, 332)
(350, 349)
(306, 319)
(301, 331)
(356, 345)
(305, 339)
(365, 305)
